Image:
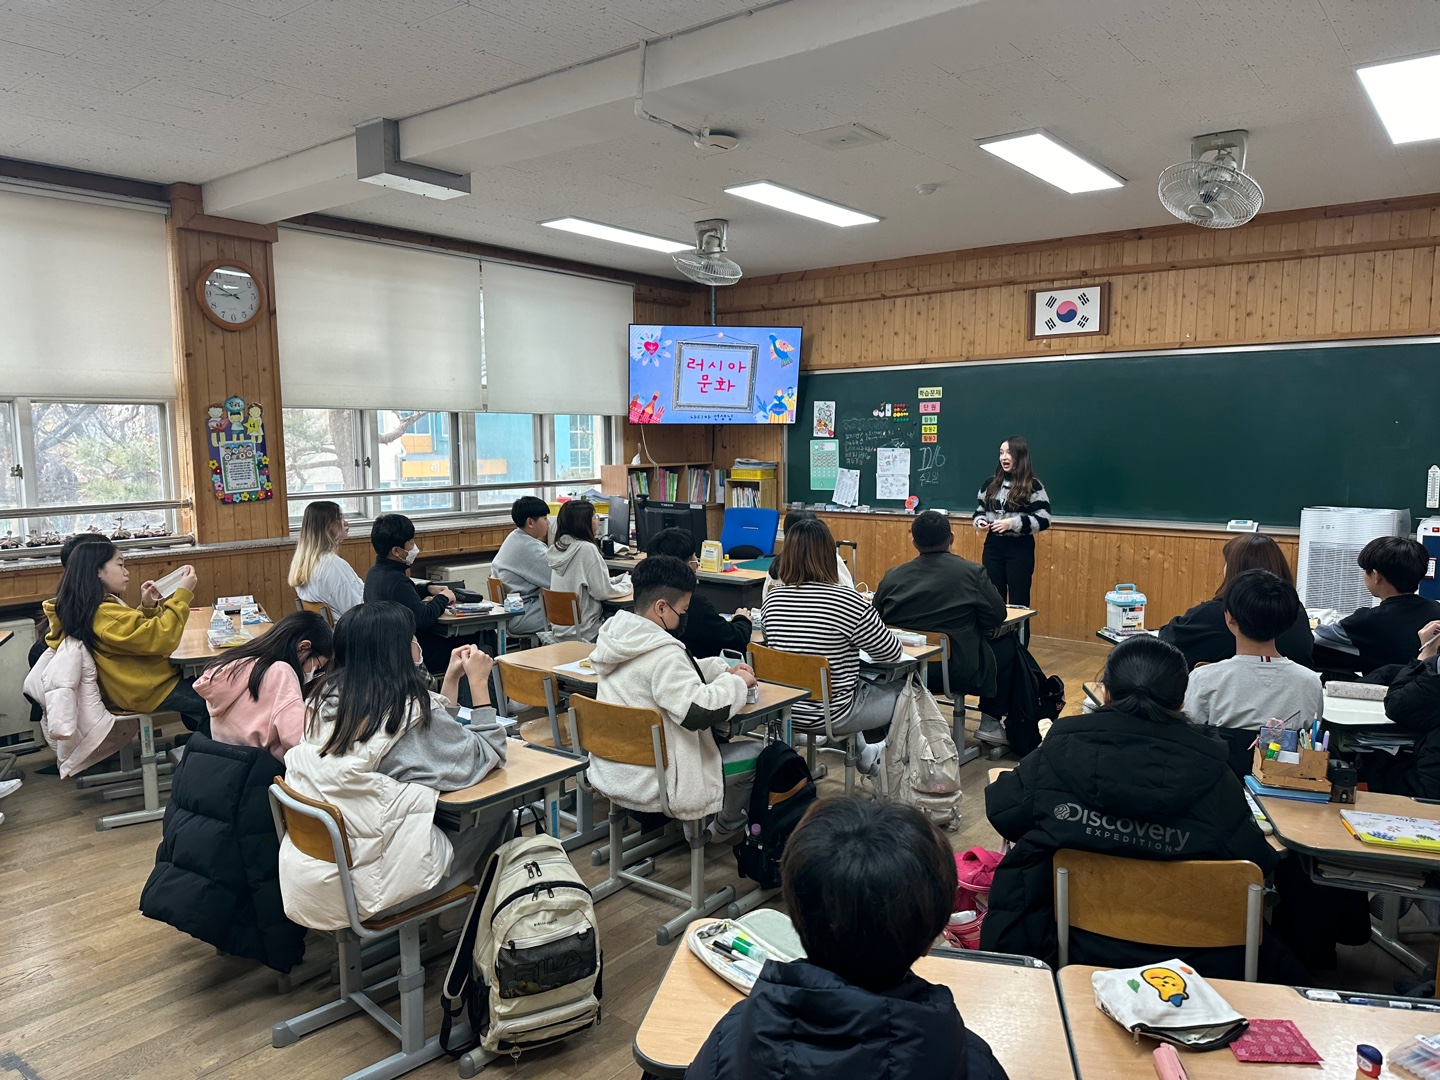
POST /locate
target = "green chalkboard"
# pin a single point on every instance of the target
(1194, 435)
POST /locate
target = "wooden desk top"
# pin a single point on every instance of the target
(195, 642)
(736, 575)
(1316, 829)
(921, 652)
(1104, 1048)
(1015, 614)
(1014, 1009)
(549, 657)
(496, 614)
(526, 768)
(5, 636)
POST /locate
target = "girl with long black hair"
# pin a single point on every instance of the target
(1012, 507)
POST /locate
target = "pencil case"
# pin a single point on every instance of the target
(771, 931)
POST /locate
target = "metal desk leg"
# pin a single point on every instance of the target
(500, 639)
(150, 780)
(1386, 934)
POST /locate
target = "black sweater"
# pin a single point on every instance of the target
(387, 580)
(707, 631)
(1201, 634)
(1389, 632)
(1414, 704)
(1117, 784)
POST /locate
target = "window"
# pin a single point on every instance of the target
(437, 463)
(112, 458)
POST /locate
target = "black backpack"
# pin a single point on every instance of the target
(783, 791)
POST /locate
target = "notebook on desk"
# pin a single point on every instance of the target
(1393, 830)
(1257, 788)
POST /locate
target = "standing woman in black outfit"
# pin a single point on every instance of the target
(1013, 507)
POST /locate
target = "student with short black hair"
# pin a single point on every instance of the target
(393, 538)
(1257, 683)
(520, 563)
(869, 887)
(641, 660)
(1386, 633)
(707, 632)
(576, 566)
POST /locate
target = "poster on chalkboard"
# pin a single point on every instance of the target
(824, 463)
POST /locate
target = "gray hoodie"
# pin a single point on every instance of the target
(576, 566)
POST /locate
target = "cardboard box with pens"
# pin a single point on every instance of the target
(1291, 754)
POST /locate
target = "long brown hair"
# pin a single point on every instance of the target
(1022, 480)
(808, 554)
(576, 520)
(1253, 551)
(315, 541)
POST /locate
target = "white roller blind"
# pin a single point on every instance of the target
(84, 300)
(555, 343)
(364, 325)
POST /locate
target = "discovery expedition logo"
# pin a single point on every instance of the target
(1123, 830)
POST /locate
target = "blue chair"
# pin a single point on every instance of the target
(749, 532)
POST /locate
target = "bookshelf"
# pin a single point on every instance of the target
(751, 490)
(664, 481)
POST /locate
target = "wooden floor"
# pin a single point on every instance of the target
(90, 988)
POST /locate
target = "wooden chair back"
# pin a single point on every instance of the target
(618, 733)
(307, 828)
(315, 608)
(940, 640)
(526, 685)
(1189, 904)
(497, 590)
(792, 669)
(561, 608)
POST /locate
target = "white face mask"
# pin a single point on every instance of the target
(310, 675)
(411, 554)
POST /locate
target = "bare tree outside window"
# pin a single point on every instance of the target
(322, 453)
(97, 453)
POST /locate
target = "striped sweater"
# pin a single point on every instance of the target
(1025, 520)
(834, 622)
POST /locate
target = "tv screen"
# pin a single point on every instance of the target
(713, 374)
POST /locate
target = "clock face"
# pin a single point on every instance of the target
(232, 295)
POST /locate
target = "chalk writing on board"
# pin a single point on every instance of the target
(861, 436)
(927, 474)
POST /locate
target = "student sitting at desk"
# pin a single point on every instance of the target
(642, 662)
(869, 886)
(1202, 634)
(1413, 703)
(131, 646)
(576, 566)
(706, 632)
(1384, 634)
(318, 572)
(814, 614)
(1134, 778)
(256, 691)
(940, 591)
(520, 563)
(393, 538)
(380, 746)
(1238, 695)
(772, 577)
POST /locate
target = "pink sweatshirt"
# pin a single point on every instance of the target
(276, 721)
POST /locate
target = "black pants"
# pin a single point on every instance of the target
(1011, 566)
(190, 705)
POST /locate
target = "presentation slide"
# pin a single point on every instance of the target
(713, 374)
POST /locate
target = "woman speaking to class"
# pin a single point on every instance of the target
(1013, 507)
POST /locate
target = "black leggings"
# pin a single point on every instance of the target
(1011, 565)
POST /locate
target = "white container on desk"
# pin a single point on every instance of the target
(1125, 608)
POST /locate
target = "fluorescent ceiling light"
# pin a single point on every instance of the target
(1404, 94)
(1041, 154)
(794, 202)
(617, 236)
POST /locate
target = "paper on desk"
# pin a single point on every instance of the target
(582, 668)
(847, 487)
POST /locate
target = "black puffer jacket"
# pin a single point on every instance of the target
(216, 873)
(1117, 784)
(1414, 704)
(802, 1022)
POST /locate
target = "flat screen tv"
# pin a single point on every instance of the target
(713, 374)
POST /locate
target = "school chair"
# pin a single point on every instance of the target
(314, 608)
(317, 829)
(631, 736)
(748, 532)
(537, 689)
(497, 596)
(561, 608)
(942, 639)
(1185, 904)
(812, 673)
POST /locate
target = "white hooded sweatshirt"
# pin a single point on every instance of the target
(577, 566)
(644, 667)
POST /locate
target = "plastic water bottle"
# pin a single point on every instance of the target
(963, 930)
(513, 602)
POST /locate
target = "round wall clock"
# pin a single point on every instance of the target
(230, 294)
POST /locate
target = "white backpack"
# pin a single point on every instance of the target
(921, 766)
(527, 967)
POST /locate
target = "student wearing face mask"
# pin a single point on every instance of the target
(393, 538)
(256, 691)
(642, 662)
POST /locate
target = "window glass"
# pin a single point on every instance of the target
(322, 453)
(415, 450)
(579, 447)
(94, 453)
(504, 451)
(9, 485)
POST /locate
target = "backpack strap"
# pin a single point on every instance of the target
(459, 993)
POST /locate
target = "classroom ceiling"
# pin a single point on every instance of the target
(257, 99)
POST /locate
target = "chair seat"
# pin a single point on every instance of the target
(435, 902)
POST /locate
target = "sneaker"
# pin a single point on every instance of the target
(9, 787)
(991, 731)
(869, 761)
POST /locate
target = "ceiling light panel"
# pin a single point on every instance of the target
(795, 202)
(1405, 94)
(1041, 154)
(597, 231)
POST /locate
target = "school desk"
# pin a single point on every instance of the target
(453, 625)
(528, 771)
(1332, 856)
(195, 650)
(728, 590)
(1005, 1000)
(1103, 1049)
